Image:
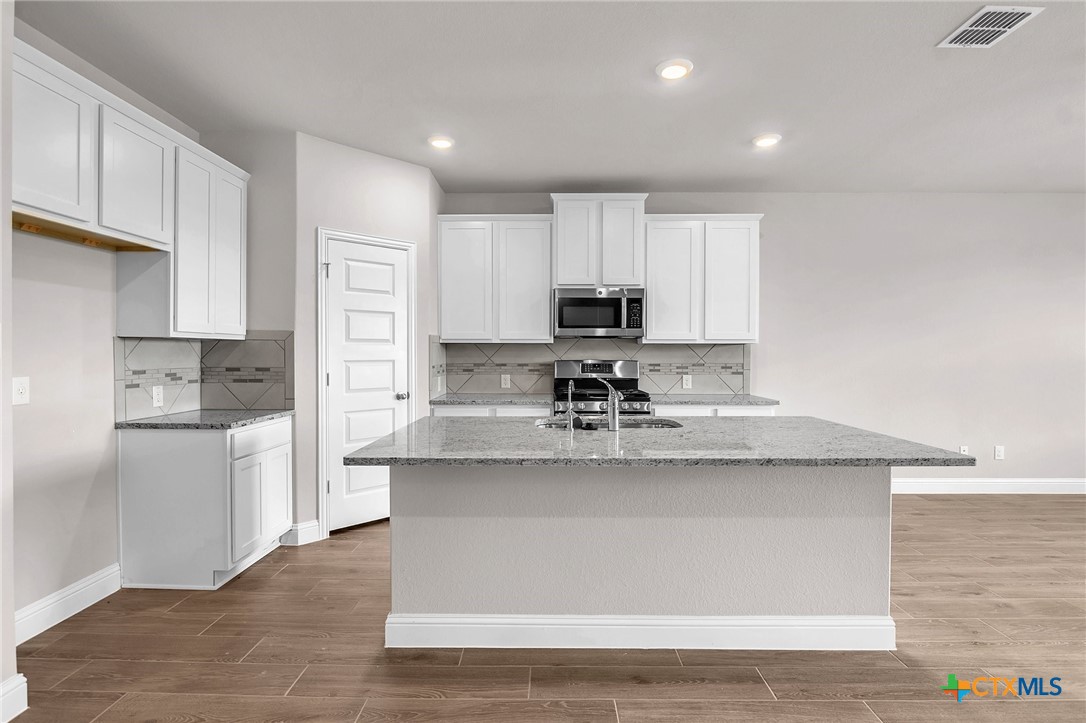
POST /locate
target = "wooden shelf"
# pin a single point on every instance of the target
(31, 224)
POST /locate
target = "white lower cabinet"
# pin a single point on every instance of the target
(699, 410)
(199, 506)
(478, 410)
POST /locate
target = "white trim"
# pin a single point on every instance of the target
(783, 632)
(324, 236)
(495, 217)
(43, 614)
(302, 534)
(12, 697)
(989, 486)
(704, 217)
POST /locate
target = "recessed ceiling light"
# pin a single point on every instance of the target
(767, 140)
(676, 69)
(442, 143)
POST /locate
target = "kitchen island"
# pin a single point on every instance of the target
(727, 532)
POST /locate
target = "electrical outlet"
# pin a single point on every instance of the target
(688, 381)
(156, 396)
(20, 390)
(506, 381)
(964, 449)
(1000, 452)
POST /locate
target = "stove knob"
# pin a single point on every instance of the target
(637, 405)
(602, 406)
(626, 405)
(580, 405)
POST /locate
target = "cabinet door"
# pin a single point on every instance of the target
(731, 281)
(53, 138)
(229, 254)
(246, 505)
(622, 243)
(524, 281)
(576, 242)
(277, 492)
(466, 280)
(194, 249)
(137, 181)
(673, 289)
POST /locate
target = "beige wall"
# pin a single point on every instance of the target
(65, 445)
(944, 318)
(347, 189)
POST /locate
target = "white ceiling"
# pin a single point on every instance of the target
(562, 96)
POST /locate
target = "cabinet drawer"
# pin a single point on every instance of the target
(261, 439)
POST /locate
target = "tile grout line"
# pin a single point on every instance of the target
(872, 711)
(460, 662)
(69, 675)
(617, 719)
(529, 682)
(681, 663)
(359, 716)
(258, 642)
(766, 683)
(210, 626)
(982, 621)
(123, 696)
(296, 682)
(177, 603)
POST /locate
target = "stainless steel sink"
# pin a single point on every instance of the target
(592, 424)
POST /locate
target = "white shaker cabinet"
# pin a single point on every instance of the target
(523, 281)
(702, 281)
(197, 290)
(198, 506)
(467, 280)
(599, 239)
(495, 279)
(53, 145)
(137, 178)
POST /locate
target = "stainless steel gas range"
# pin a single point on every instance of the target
(590, 378)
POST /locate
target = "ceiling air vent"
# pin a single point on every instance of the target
(989, 26)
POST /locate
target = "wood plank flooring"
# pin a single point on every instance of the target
(982, 585)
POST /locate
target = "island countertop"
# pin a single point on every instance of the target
(701, 441)
(206, 419)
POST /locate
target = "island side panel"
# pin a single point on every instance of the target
(641, 541)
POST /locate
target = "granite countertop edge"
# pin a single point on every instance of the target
(661, 462)
(206, 419)
(491, 399)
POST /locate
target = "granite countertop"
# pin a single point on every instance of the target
(715, 400)
(701, 441)
(207, 419)
(495, 400)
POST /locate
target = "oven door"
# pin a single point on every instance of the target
(587, 312)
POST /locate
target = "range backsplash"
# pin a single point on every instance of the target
(257, 373)
(477, 368)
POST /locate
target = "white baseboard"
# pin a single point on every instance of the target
(784, 632)
(989, 486)
(302, 534)
(61, 605)
(12, 697)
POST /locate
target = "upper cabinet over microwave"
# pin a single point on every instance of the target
(599, 239)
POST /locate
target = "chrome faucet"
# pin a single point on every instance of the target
(574, 419)
(614, 396)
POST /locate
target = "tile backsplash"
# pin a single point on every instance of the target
(477, 368)
(256, 373)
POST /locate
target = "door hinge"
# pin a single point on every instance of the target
(328, 487)
(327, 379)
(326, 266)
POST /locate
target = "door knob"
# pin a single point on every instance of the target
(403, 395)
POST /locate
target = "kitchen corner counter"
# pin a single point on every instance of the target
(701, 441)
(207, 419)
(713, 400)
(507, 399)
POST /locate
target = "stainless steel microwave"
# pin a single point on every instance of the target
(610, 311)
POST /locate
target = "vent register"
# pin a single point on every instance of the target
(989, 26)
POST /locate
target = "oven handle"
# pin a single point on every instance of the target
(623, 312)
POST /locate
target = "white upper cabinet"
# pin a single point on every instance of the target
(467, 280)
(622, 242)
(495, 279)
(599, 239)
(231, 194)
(523, 277)
(731, 281)
(703, 279)
(674, 284)
(194, 252)
(54, 137)
(137, 179)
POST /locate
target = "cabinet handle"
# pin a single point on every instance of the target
(403, 395)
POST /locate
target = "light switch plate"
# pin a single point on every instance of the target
(20, 390)
(688, 381)
(156, 396)
(963, 449)
(1000, 453)
(506, 381)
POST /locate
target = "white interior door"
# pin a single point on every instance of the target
(368, 339)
